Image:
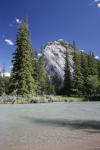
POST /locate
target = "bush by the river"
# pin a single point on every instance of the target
(8, 99)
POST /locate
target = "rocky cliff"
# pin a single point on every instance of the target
(54, 56)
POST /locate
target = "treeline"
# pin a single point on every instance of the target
(29, 77)
(4, 82)
(85, 79)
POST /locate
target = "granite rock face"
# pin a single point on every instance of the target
(54, 58)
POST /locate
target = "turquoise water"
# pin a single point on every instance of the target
(24, 127)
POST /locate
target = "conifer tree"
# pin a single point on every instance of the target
(92, 64)
(43, 84)
(3, 79)
(84, 71)
(74, 46)
(98, 62)
(67, 77)
(84, 64)
(41, 76)
(22, 80)
(77, 75)
(4, 82)
(89, 70)
(1, 84)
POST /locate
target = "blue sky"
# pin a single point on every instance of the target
(49, 20)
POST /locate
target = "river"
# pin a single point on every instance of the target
(61, 126)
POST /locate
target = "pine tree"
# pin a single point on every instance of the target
(84, 64)
(89, 70)
(77, 75)
(4, 82)
(1, 84)
(22, 80)
(74, 46)
(92, 64)
(67, 77)
(84, 71)
(98, 64)
(43, 84)
(41, 76)
(3, 79)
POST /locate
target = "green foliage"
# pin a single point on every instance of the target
(4, 82)
(67, 77)
(92, 64)
(98, 66)
(29, 77)
(84, 64)
(74, 46)
(1, 85)
(86, 75)
(77, 75)
(22, 80)
(93, 84)
(44, 86)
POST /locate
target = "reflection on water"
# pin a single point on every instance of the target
(46, 126)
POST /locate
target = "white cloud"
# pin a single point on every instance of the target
(94, 2)
(82, 50)
(98, 5)
(96, 57)
(9, 42)
(11, 67)
(39, 54)
(18, 20)
(7, 74)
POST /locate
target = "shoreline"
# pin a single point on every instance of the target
(43, 99)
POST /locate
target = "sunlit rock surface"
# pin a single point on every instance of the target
(54, 56)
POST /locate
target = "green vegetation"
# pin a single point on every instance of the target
(22, 80)
(4, 82)
(43, 84)
(7, 99)
(67, 78)
(29, 82)
(28, 76)
(86, 76)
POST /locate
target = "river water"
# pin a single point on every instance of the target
(61, 126)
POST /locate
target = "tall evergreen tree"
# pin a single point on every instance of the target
(77, 75)
(4, 79)
(89, 70)
(4, 82)
(22, 80)
(74, 46)
(67, 77)
(92, 64)
(98, 63)
(84, 71)
(1, 84)
(43, 84)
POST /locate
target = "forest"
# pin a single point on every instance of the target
(29, 77)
